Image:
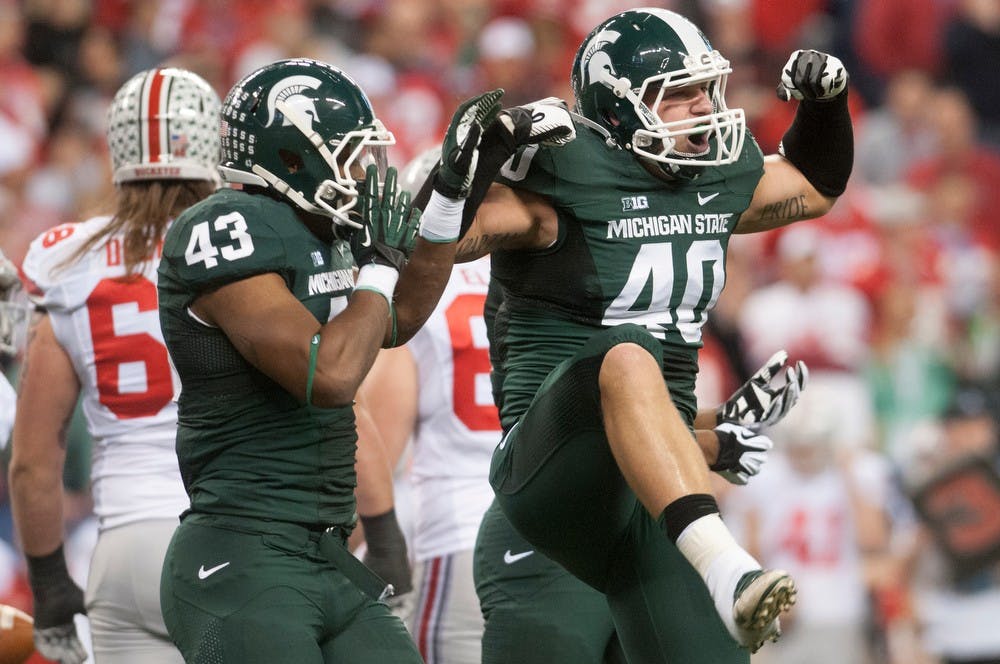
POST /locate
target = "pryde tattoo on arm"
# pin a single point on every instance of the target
(470, 248)
(790, 208)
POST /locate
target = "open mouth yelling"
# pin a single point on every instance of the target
(698, 142)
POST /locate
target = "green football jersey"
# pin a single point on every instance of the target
(631, 248)
(245, 445)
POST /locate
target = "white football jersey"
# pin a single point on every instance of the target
(807, 526)
(458, 425)
(110, 327)
(8, 403)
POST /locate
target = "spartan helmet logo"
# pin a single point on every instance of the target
(288, 93)
(595, 60)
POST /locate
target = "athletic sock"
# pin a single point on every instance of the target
(679, 514)
(719, 559)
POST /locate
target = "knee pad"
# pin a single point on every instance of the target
(628, 333)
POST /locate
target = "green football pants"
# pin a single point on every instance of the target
(535, 611)
(243, 591)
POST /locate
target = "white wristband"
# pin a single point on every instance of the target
(379, 278)
(441, 220)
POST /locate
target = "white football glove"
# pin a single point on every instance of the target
(756, 403)
(813, 76)
(546, 122)
(60, 644)
(742, 452)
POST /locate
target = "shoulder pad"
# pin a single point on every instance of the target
(48, 258)
(227, 237)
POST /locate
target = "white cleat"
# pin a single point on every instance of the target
(760, 597)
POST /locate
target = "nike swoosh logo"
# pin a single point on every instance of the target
(511, 558)
(503, 441)
(704, 199)
(205, 573)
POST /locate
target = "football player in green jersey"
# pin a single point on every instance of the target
(271, 332)
(610, 251)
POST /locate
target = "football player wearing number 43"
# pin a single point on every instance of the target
(607, 277)
(98, 337)
(271, 333)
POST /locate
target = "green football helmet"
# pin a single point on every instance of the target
(305, 129)
(631, 56)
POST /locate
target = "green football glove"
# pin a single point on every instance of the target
(389, 222)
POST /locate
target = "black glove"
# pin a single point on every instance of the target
(389, 222)
(460, 150)
(742, 452)
(756, 403)
(812, 76)
(386, 553)
(57, 599)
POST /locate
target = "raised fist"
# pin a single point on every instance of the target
(813, 76)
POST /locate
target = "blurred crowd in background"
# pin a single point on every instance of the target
(880, 494)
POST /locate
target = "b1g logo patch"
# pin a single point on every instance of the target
(634, 203)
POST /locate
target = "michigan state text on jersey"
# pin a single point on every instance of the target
(630, 249)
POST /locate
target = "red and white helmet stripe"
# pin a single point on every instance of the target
(163, 124)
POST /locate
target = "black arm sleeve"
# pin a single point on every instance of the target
(820, 143)
(496, 146)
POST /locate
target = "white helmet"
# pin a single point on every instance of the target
(164, 125)
(412, 176)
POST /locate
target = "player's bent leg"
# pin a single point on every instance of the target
(559, 483)
(664, 465)
(536, 612)
(447, 624)
(653, 446)
(123, 598)
(554, 474)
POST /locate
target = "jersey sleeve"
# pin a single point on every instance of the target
(224, 239)
(746, 173)
(532, 168)
(47, 269)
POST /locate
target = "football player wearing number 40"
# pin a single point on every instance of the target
(432, 392)
(98, 337)
(610, 251)
(271, 333)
